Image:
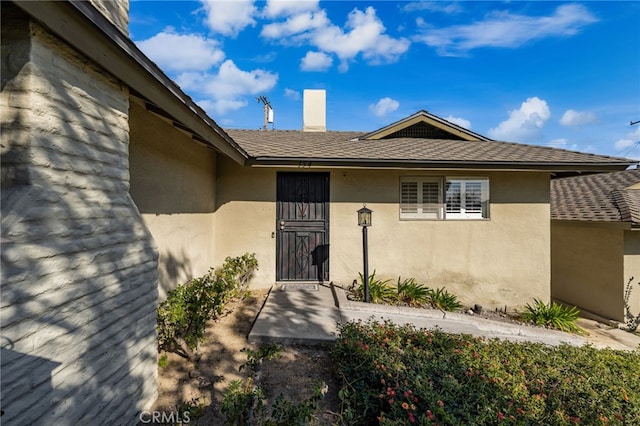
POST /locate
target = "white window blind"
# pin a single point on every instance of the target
(467, 198)
(420, 198)
(458, 198)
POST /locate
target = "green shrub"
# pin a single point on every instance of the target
(243, 401)
(183, 316)
(397, 375)
(379, 291)
(408, 291)
(191, 409)
(238, 399)
(553, 315)
(287, 413)
(254, 358)
(631, 321)
(441, 299)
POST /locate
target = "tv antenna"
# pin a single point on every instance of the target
(268, 111)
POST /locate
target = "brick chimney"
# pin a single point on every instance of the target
(314, 115)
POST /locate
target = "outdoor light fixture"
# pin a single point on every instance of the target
(364, 220)
(364, 216)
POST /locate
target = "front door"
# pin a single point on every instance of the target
(302, 222)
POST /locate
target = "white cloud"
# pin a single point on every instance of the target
(229, 86)
(214, 107)
(229, 17)
(523, 123)
(363, 34)
(504, 29)
(621, 144)
(182, 52)
(562, 143)
(459, 121)
(276, 8)
(384, 106)
(576, 118)
(633, 138)
(292, 94)
(316, 61)
(432, 6)
(301, 24)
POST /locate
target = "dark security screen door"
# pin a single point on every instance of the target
(302, 225)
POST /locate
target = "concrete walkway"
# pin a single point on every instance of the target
(310, 313)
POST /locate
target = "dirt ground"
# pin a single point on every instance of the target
(294, 374)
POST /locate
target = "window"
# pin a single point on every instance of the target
(421, 198)
(467, 198)
(461, 198)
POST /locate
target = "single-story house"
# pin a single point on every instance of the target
(595, 242)
(450, 207)
(116, 187)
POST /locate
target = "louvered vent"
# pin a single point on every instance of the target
(423, 130)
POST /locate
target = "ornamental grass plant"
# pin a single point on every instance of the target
(411, 293)
(406, 292)
(552, 315)
(399, 375)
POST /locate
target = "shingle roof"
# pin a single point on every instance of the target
(327, 148)
(600, 197)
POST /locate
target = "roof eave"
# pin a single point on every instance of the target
(617, 224)
(82, 26)
(411, 164)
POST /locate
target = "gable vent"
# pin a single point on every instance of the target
(423, 130)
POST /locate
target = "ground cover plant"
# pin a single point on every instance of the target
(398, 375)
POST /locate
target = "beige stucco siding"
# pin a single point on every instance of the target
(79, 268)
(587, 266)
(632, 267)
(173, 185)
(246, 216)
(497, 262)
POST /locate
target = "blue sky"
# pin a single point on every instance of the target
(562, 74)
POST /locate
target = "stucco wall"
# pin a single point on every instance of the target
(79, 269)
(496, 262)
(587, 266)
(632, 267)
(173, 185)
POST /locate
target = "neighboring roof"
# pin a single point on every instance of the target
(604, 197)
(290, 147)
(82, 26)
(425, 125)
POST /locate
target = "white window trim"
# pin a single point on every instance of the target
(463, 214)
(442, 213)
(420, 214)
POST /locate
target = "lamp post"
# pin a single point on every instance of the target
(364, 220)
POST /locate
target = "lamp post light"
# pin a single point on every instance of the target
(364, 220)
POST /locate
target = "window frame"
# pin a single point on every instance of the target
(442, 213)
(485, 200)
(420, 214)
